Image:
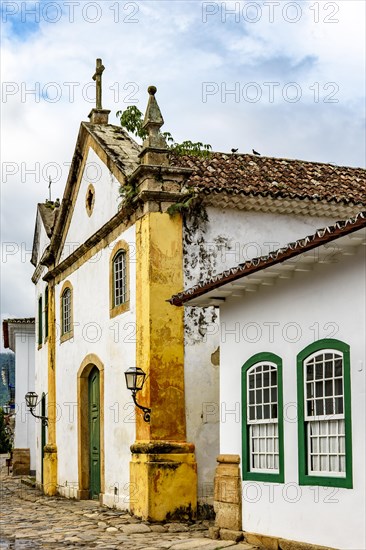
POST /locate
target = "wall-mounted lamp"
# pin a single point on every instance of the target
(31, 400)
(135, 378)
(6, 409)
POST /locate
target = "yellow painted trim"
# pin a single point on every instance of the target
(89, 209)
(50, 454)
(70, 334)
(160, 327)
(117, 310)
(90, 361)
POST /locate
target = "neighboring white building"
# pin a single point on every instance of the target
(19, 336)
(292, 368)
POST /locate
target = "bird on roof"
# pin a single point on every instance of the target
(256, 153)
(234, 150)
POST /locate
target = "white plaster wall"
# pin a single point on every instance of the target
(41, 375)
(229, 237)
(106, 203)
(114, 342)
(24, 435)
(326, 302)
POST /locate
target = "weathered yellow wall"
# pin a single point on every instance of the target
(163, 486)
(163, 470)
(50, 454)
(160, 338)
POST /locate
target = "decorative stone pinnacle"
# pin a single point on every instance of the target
(153, 121)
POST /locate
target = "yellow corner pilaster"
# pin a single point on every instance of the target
(50, 450)
(160, 331)
(163, 470)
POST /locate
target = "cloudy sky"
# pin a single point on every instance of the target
(285, 78)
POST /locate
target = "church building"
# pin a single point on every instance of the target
(136, 225)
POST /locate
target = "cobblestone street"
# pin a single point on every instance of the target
(30, 520)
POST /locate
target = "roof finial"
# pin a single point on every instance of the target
(153, 121)
(98, 79)
(98, 115)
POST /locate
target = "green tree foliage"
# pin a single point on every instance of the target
(7, 375)
(5, 444)
(132, 120)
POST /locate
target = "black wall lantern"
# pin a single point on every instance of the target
(135, 378)
(31, 400)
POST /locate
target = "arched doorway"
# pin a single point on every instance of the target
(91, 428)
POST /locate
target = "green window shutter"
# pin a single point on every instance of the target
(40, 315)
(46, 313)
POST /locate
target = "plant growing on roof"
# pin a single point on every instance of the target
(132, 120)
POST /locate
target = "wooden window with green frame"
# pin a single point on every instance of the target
(262, 419)
(46, 314)
(324, 414)
(40, 328)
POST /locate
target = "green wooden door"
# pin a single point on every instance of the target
(94, 434)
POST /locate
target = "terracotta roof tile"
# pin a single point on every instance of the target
(275, 177)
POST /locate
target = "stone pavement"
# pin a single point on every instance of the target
(29, 520)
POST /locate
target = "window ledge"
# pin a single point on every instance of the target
(117, 310)
(67, 336)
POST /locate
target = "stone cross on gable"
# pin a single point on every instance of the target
(98, 79)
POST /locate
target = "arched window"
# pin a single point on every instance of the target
(119, 279)
(262, 418)
(325, 451)
(66, 312)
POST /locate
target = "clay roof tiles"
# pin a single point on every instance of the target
(275, 177)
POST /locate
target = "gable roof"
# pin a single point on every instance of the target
(251, 175)
(117, 144)
(300, 247)
(121, 153)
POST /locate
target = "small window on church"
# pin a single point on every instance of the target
(67, 329)
(119, 279)
(90, 199)
(66, 311)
